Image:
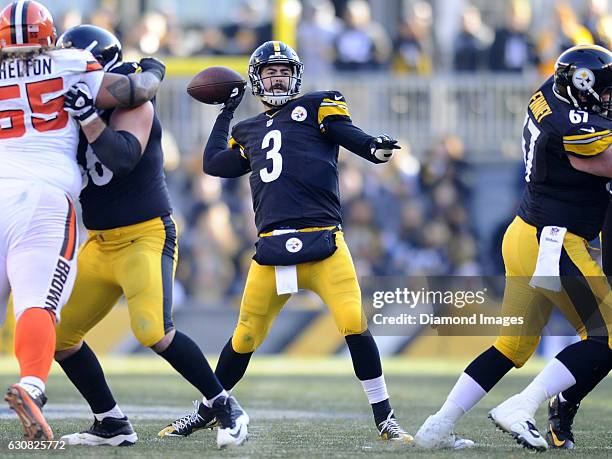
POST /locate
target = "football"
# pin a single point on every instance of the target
(214, 85)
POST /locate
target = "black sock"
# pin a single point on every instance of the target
(381, 411)
(231, 366)
(366, 363)
(489, 368)
(365, 356)
(186, 357)
(589, 361)
(85, 372)
(580, 390)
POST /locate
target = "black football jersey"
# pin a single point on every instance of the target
(556, 194)
(112, 202)
(294, 167)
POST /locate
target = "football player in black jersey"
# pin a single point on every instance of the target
(568, 158)
(291, 152)
(131, 250)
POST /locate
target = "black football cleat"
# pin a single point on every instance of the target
(560, 420)
(390, 430)
(200, 418)
(109, 431)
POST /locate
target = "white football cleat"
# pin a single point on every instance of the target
(109, 431)
(513, 418)
(437, 433)
(233, 422)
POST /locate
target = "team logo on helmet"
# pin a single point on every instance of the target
(293, 245)
(583, 79)
(299, 113)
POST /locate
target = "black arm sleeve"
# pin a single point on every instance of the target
(120, 151)
(346, 134)
(219, 160)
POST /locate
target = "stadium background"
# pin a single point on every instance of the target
(450, 78)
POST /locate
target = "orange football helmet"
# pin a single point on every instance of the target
(26, 24)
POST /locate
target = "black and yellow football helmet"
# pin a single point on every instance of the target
(583, 78)
(270, 53)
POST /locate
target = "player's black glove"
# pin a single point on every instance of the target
(232, 103)
(154, 66)
(79, 103)
(382, 147)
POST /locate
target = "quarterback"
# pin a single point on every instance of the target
(39, 181)
(291, 152)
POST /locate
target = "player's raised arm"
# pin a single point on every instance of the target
(219, 160)
(336, 125)
(133, 89)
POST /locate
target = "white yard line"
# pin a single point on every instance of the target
(62, 411)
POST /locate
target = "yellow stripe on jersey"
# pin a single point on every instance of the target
(233, 144)
(590, 144)
(332, 101)
(332, 108)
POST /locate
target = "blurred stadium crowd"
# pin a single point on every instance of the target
(410, 217)
(345, 35)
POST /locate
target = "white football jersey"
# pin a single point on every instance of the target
(38, 138)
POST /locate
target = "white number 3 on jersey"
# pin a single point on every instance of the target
(274, 138)
(99, 174)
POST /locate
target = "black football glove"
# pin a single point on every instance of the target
(154, 66)
(234, 100)
(382, 147)
(79, 103)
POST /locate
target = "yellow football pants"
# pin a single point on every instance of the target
(585, 298)
(334, 279)
(138, 261)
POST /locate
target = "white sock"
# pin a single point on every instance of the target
(554, 378)
(33, 381)
(375, 389)
(465, 394)
(209, 403)
(115, 412)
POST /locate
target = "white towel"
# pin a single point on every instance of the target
(286, 276)
(546, 274)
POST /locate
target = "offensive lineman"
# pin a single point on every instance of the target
(291, 151)
(131, 250)
(566, 142)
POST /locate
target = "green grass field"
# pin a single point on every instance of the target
(298, 408)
